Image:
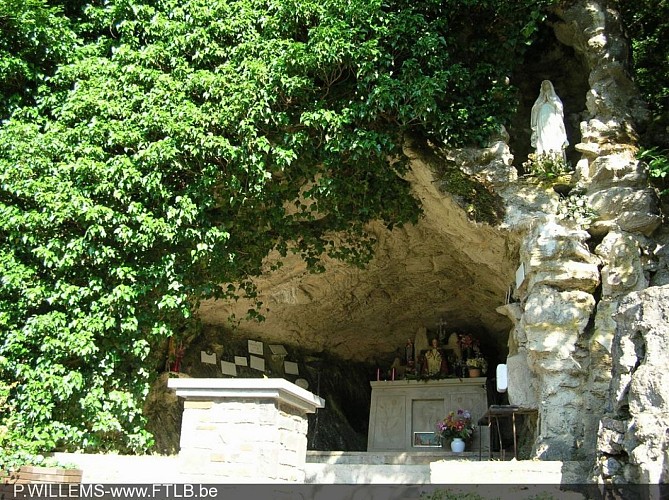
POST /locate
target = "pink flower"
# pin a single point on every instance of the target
(456, 424)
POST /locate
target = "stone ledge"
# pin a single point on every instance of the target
(257, 388)
(507, 472)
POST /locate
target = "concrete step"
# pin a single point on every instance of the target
(324, 473)
(433, 467)
(340, 467)
(388, 458)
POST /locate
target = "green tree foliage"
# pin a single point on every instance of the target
(647, 26)
(645, 23)
(34, 38)
(184, 141)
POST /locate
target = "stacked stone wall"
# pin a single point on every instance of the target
(242, 440)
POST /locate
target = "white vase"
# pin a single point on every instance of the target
(457, 445)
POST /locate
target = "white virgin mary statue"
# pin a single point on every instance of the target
(547, 122)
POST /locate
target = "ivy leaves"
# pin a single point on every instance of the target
(178, 143)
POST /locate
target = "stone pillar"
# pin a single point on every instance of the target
(243, 430)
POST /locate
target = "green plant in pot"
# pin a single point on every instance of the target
(478, 362)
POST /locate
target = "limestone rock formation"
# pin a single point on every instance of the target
(632, 440)
(446, 267)
(163, 411)
(623, 272)
(563, 331)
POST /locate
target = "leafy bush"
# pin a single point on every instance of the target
(575, 207)
(180, 142)
(645, 24)
(34, 38)
(658, 166)
(15, 449)
(546, 166)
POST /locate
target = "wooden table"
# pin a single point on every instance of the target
(503, 411)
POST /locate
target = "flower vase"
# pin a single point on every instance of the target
(474, 372)
(457, 445)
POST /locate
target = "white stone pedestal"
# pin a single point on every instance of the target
(243, 430)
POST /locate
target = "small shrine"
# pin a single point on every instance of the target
(430, 379)
(404, 414)
(444, 355)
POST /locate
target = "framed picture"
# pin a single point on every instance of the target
(228, 368)
(255, 347)
(257, 363)
(426, 440)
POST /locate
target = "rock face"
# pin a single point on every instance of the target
(446, 267)
(163, 411)
(587, 320)
(632, 440)
(581, 287)
(577, 276)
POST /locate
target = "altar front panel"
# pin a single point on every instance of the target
(404, 413)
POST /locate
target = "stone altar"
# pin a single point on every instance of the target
(246, 430)
(400, 408)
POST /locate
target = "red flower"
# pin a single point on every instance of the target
(467, 341)
(456, 425)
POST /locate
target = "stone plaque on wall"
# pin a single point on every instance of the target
(390, 433)
(425, 414)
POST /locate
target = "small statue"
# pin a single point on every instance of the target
(435, 361)
(174, 356)
(454, 345)
(421, 342)
(547, 122)
(409, 355)
(396, 371)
